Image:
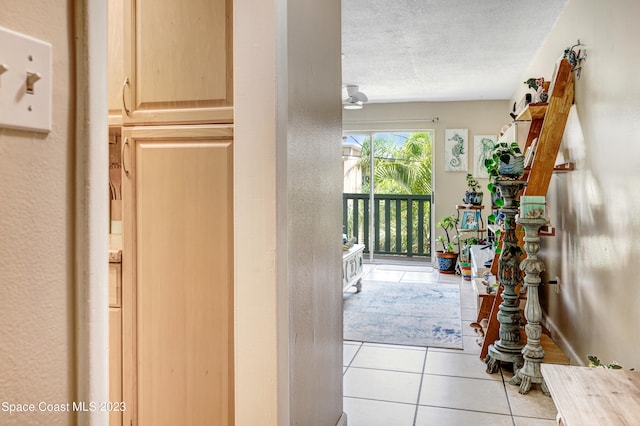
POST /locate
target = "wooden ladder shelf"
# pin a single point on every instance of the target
(548, 122)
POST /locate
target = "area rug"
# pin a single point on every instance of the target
(399, 313)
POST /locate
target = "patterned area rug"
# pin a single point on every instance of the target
(404, 313)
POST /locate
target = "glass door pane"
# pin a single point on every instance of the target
(397, 182)
(356, 184)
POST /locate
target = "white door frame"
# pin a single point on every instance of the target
(91, 209)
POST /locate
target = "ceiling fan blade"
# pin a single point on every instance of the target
(355, 95)
(362, 97)
(351, 89)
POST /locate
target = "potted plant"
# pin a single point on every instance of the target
(506, 159)
(473, 194)
(447, 257)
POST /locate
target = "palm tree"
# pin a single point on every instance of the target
(400, 169)
(408, 169)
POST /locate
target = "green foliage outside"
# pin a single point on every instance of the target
(399, 169)
(405, 169)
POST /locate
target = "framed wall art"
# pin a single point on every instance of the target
(482, 147)
(456, 150)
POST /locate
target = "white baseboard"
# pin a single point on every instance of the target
(562, 342)
(343, 420)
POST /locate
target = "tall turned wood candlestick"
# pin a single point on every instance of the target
(508, 348)
(533, 352)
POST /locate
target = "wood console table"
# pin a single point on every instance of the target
(594, 396)
(352, 267)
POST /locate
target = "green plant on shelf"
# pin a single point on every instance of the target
(472, 183)
(473, 195)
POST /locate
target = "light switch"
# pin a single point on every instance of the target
(25, 85)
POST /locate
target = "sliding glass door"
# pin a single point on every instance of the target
(387, 192)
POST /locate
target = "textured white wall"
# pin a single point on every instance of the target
(288, 213)
(314, 210)
(596, 251)
(36, 222)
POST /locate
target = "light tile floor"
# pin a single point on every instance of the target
(389, 385)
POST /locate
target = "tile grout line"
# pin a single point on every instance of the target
(352, 358)
(506, 395)
(386, 369)
(470, 410)
(424, 367)
(460, 377)
(362, 398)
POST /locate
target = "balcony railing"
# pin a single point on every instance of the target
(401, 223)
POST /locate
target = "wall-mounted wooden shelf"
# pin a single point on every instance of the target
(533, 112)
(558, 168)
(564, 167)
(548, 122)
(463, 230)
(468, 207)
(547, 231)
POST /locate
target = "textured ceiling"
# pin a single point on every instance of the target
(441, 50)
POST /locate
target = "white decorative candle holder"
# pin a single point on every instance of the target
(533, 207)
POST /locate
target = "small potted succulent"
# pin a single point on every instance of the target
(447, 257)
(473, 194)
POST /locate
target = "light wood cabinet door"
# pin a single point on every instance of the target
(115, 57)
(115, 343)
(115, 365)
(178, 62)
(178, 274)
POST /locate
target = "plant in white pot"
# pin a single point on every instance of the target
(473, 194)
(506, 159)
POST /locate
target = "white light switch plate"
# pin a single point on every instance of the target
(21, 54)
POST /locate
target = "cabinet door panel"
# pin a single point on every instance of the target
(115, 64)
(179, 62)
(115, 364)
(180, 186)
(115, 285)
